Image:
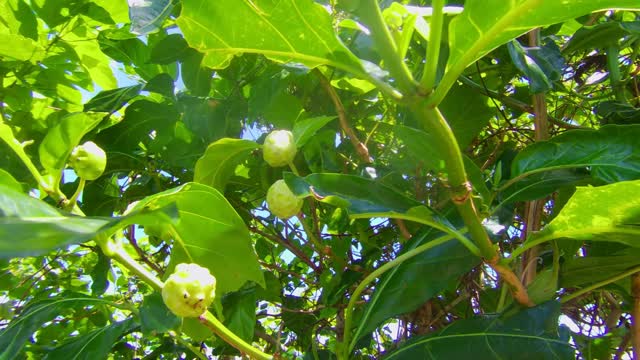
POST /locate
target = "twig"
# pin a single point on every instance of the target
(635, 315)
(361, 148)
(297, 252)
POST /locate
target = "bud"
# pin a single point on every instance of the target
(189, 291)
(281, 201)
(88, 160)
(279, 148)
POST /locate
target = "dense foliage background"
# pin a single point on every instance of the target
(470, 170)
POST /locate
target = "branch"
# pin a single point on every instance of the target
(297, 252)
(361, 148)
(635, 315)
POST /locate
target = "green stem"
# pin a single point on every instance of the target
(74, 198)
(188, 345)
(293, 168)
(6, 134)
(348, 312)
(433, 47)
(371, 16)
(602, 283)
(225, 334)
(119, 254)
(461, 194)
(434, 122)
(615, 77)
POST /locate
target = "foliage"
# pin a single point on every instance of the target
(461, 177)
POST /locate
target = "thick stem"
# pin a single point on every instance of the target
(433, 47)
(533, 210)
(635, 315)
(371, 16)
(230, 338)
(461, 189)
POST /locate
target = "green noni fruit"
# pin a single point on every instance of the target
(189, 291)
(88, 160)
(281, 201)
(279, 148)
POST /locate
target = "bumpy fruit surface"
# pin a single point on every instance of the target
(88, 160)
(279, 148)
(189, 291)
(281, 201)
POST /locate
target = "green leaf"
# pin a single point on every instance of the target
(486, 24)
(32, 318)
(219, 161)
(18, 47)
(239, 317)
(112, 100)
(584, 271)
(170, 49)
(537, 78)
(19, 18)
(62, 138)
(360, 196)
(601, 35)
(30, 227)
(606, 213)
(282, 31)
(100, 274)
(403, 289)
(466, 121)
(95, 345)
(305, 129)
(147, 16)
(9, 181)
(155, 317)
(83, 42)
(529, 334)
(141, 119)
(612, 153)
(211, 234)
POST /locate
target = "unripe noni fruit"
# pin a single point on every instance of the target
(281, 201)
(279, 148)
(88, 160)
(189, 291)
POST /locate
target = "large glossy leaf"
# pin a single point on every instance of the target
(606, 213)
(147, 16)
(304, 130)
(601, 35)
(530, 334)
(404, 289)
(62, 138)
(486, 24)
(18, 47)
(610, 154)
(29, 226)
(32, 318)
(219, 162)
(95, 345)
(112, 100)
(280, 30)
(210, 233)
(364, 198)
(592, 269)
(155, 317)
(359, 195)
